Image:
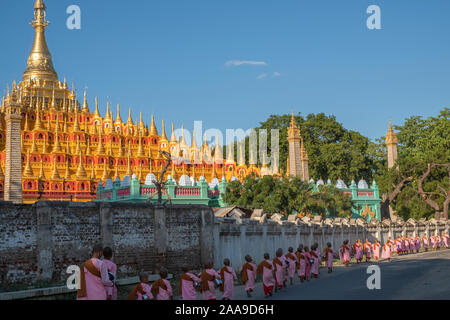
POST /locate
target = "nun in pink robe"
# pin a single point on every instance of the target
(358, 251)
(308, 264)
(265, 268)
(165, 294)
(187, 287)
(211, 293)
(344, 254)
(280, 266)
(386, 252)
(112, 268)
(329, 257)
(425, 242)
(433, 242)
(95, 286)
(438, 242)
(146, 289)
(251, 276)
(292, 264)
(315, 265)
(301, 271)
(229, 276)
(445, 240)
(376, 250)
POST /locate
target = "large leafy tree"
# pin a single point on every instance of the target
(334, 152)
(419, 186)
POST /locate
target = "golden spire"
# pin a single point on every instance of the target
(41, 171)
(53, 105)
(141, 124)
(172, 138)
(88, 147)
(153, 130)
(194, 143)
(28, 172)
(93, 176)
(107, 114)
(85, 104)
(97, 113)
(391, 137)
(55, 173)
(214, 173)
(76, 125)
(116, 171)
(38, 123)
(105, 175)
(100, 147)
(40, 64)
(118, 118)
(78, 147)
(163, 133)
(129, 171)
(65, 124)
(81, 172)
(140, 152)
(34, 148)
(68, 149)
(130, 119)
(26, 126)
(57, 145)
(218, 154)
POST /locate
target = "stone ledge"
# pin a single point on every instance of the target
(53, 291)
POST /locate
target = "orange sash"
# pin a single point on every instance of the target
(186, 277)
(263, 265)
(276, 262)
(158, 284)
(222, 276)
(244, 274)
(89, 265)
(205, 277)
(136, 289)
(327, 251)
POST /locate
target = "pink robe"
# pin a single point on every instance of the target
(445, 240)
(425, 242)
(267, 278)
(251, 278)
(315, 265)
(112, 268)
(95, 286)
(165, 294)
(368, 249)
(308, 264)
(228, 283)
(376, 250)
(292, 266)
(301, 271)
(417, 244)
(344, 255)
(358, 252)
(433, 243)
(147, 290)
(386, 253)
(329, 259)
(187, 287)
(211, 293)
(280, 273)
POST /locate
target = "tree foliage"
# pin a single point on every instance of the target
(286, 196)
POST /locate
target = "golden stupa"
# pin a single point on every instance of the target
(54, 148)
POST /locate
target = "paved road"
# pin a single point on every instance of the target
(415, 276)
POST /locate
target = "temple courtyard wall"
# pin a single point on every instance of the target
(38, 242)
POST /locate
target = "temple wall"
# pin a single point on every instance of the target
(234, 238)
(39, 242)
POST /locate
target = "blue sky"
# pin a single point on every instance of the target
(168, 57)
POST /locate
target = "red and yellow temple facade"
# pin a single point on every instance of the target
(54, 146)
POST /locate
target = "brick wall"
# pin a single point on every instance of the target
(39, 242)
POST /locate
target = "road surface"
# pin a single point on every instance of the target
(415, 276)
